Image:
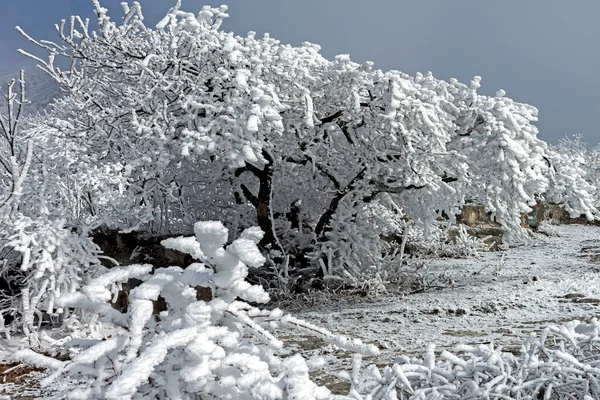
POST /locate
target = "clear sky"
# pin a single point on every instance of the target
(542, 52)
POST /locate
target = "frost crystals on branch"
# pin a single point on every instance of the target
(40, 256)
(560, 363)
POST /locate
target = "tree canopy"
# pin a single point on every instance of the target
(163, 126)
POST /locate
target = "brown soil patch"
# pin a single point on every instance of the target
(18, 373)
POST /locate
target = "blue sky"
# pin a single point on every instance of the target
(542, 52)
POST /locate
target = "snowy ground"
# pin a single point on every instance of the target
(500, 297)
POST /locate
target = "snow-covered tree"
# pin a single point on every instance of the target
(167, 125)
(16, 149)
(41, 257)
(187, 121)
(505, 157)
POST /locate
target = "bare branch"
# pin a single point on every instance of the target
(325, 219)
(332, 117)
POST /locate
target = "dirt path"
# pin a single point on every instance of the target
(499, 297)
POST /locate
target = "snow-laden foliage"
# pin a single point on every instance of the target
(333, 160)
(220, 348)
(562, 362)
(41, 257)
(505, 157)
(16, 148)
(575, 176)
(184, 121)
(182, 352)
(42, 260)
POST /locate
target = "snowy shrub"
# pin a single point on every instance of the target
(575, 176)
(463, 244)
(220, 348)
(562, 362)
(42, 259)
(353, 249)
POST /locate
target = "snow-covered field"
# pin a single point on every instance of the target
(500, 297)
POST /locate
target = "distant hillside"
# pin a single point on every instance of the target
(40, 89)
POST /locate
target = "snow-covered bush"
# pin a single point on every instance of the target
(562, 362)
(575, 176)
(220, 348)
(42, 260)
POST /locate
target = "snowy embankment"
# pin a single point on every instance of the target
(498, 297)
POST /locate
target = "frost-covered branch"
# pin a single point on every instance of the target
(218, 348)
(16, 150)
(560, 363)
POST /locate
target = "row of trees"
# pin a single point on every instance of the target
(163, 126)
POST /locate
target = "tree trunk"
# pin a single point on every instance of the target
(264, 212)
(263, 201)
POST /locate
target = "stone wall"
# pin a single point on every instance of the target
(480, 224)
(474, 215)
